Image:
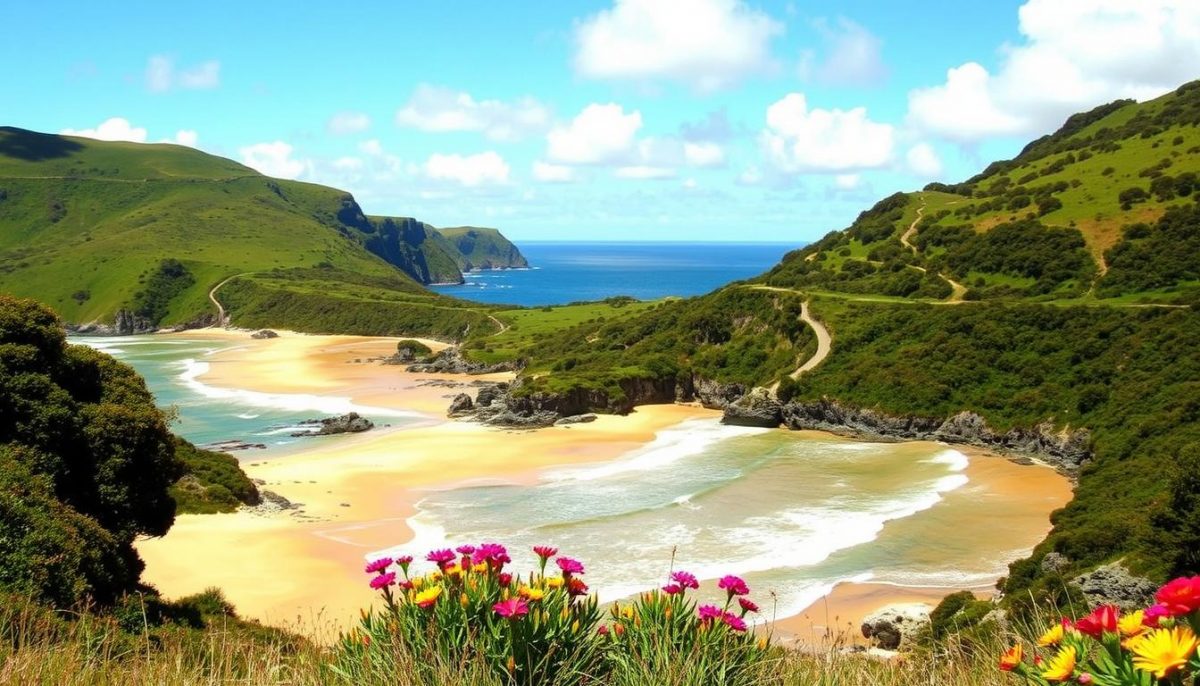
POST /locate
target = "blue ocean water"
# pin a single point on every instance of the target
(563, 272)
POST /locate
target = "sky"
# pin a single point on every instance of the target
(666, 120)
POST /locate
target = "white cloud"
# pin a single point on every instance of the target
(187, 137)
(372, 147)
(468, 170)
(162, 76)
(703, 154)
(274, 159)
(707, 44)
(348, 163)
(846, 182)
(853, 55)
(348, 122)
(438, 109)
(644, 172)
(1075, 55)
(798, 139)
(599, 134)
(923, 160)
(113, 129)
(552, 173)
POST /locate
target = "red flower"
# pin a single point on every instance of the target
(672, 589)
(1102, 620)
(544, 551)
(733, 621)
(504, 578)
(1180, 596)
(747, 605)
(576, 587)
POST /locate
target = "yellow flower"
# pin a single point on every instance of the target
(479, 568)
(627, 612)
(1061, 666)
(418, 581)
(464, 600)
(531, 593)
(1011, 658)
(575, 626)
(454, 570)
(428, 597)
(1053, 636)
(554, 582)
(1163, 651)
(1131, 624)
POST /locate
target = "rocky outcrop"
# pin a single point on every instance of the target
(126, 323)
(756, 408)
(1113, 584)
(577, 419)
(264, 334)
(233, 445)
(347, 423)
(451, 361)
(896, 626)
(462, 405)
(713, 394)
(1053, 563)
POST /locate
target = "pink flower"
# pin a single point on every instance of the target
(707, 613)
(491, 551)
(733, 585)
(511, 608)
(404, 561)
(685, 579)
(504, 578)
(1153, 614)
(465, 549)
(1180, 596)
(569, 566)
(1086, 679)
(383, 580)
(603, 630)
(747, 605)
(441, 557)
(406, 585)
(378, 565)
(544, 551)
(672, 589)
(733, 621)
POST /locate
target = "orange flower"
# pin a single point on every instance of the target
(1011, 658)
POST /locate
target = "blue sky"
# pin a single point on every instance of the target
(606, 119)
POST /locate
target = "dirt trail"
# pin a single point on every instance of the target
(222, 317)
(912, 229)
(824, 340)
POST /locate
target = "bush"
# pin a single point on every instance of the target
(416, 349)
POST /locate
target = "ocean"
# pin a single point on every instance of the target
(562, 272)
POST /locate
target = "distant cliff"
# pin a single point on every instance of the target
(482, 248)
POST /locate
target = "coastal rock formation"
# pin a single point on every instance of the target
(576, 419)
(1054, 563)
(461, 405)
(896, 626)
(451, 361)
(346, 423)
(232, 445)
(713, 394)
(264, 333)
(756, 408)
(126, 323)
(1113, 584)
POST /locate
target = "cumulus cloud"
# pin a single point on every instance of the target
(923, 160)
(641, 171)
(798, 139)
(112, 129)
(348, 122)
(704, 154)
(439, 109)
(274, 159)
(468, 170)
(599, 134)
(1073, 56)
(852, 56)
(706, 44)
(847, 182)
(186, 137)
(553, 173)
(162, 75)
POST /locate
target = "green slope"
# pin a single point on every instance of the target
(483, 248)
(87, 227)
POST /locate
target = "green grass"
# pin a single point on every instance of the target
(482, 248)
(526, 325)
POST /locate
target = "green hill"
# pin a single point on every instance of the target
(483, 249)
(92, 228)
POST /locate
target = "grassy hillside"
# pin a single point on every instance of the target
(483, 248)
(92, 227)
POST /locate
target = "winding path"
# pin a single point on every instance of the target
(497, 322)
(222, 317)
(824, 340)
(912, 229)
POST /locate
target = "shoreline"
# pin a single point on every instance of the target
(358, 492)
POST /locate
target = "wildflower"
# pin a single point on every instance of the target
(685, 579)
(453, 570)
(554, 582)
(672, 589)
(1011, 658)
(576, 587)
(545, 552)
(428, 597)
(383, 580)
(747, 605)
(479, 567)
(1154, 613)
(1054, 635)
(512, 608)
(404, 561)
(531, 593)
(627, 612)
(733, 621)
(417, 581)
(1086, 679)
(1132, 624)
(1061, 666)
(569, 566)
(707, 613)
(378, 565)
(603, 630)
(733, 585)
(619, 629)
(1163, 651)
(465, 550)
(494, 553)
(441, 557)
(504, 578)
(406, 585)
(464, 600)
(512, 664)
(1180, 596)
(1102, 620)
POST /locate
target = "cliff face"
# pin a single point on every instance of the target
(482, 248)
(411, 246)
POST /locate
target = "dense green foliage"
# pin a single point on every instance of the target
(416, 349)
(483, 248)
(164, 285)
(1164, 255)
(212, 482)
(87, 462)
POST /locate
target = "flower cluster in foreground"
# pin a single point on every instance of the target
(545, 626)
(1157, 645)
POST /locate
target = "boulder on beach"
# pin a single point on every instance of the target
(350, 422)
(896, 626)
(264, 333)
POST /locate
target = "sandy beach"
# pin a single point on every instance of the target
(304, 567)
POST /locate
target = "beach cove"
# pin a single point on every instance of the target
(425, 480)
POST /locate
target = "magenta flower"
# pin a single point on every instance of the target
(733, 621)
(544, 551)
(491, 551)
(672, 589)
(512, 608)
(707, 613)
(404, 561)
(569, 566)
(733, 585)
(747, 605)
(378, 565)
(504, 578)
(685, 579)
(441, 557)
(465, 549)
(383, 580)
(1154, 613)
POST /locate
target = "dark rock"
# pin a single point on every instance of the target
(461, 405)
(1054, 563)
(232, 445)
(126, 323)
(715, 395)
(1113, 584)
(264, 333)
(347, 423)
(488, 394)
(756, 408)
(577, 419)
(271, 502)
(451, 361)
